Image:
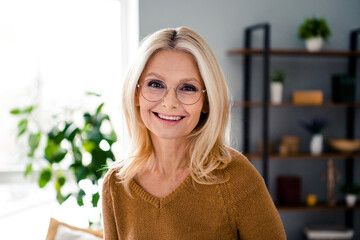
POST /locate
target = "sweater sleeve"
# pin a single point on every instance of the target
(110, 231)
(253, 210)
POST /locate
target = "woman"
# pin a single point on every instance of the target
(180, 179)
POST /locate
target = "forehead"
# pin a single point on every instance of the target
(173, 65)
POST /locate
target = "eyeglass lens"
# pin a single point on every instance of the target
(186, 92)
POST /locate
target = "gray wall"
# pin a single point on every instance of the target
(222, 23)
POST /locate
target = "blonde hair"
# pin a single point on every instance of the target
(209, 139)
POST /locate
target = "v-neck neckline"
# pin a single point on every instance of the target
(155, 201)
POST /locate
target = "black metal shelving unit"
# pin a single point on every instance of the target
(248, 52)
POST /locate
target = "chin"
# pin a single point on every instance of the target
(169, 136)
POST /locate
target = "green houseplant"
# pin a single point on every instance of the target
(68, 151)
(351, 191)
(277, 78)
(314, 31)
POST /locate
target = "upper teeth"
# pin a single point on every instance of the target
(173, 118)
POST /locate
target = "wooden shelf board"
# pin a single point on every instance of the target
(318, 207)
(304, 156)
(294, 52)
(290, 104)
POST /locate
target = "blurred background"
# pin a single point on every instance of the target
(53, 52)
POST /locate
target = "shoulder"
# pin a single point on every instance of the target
(110, 180)
(239, 164)
(242, 175)
(110, 176)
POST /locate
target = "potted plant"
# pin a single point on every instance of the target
(315, 127)
(314, 31)
(351, 192)
(277, 78)
(68, 151)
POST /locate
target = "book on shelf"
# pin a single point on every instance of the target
(335, 232)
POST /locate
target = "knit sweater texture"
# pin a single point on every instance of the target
(240, 208)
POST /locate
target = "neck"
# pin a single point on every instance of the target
(169, 157)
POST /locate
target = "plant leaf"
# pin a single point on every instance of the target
(34, 140)
(93, 94)
(80, 197)
(95, 199)
(81, 173)
(53, 152)
(45, 177)
(60, 198)
(26, 110)
(60, 181)
(28, 170)
(56, 135)
(15, 111)
(22, 127)
(29, 109)
(70, 132)
(89, 146)
(98, 110)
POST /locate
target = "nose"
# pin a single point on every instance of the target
(170, 98)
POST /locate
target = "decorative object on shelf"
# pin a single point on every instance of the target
(311, 200)
(335, 232)
(270, 146)
(351, 191)
(314, 31)
(345, 145)
(308, 97)
(316, 144)
(315, 127)
(69, 151)
(288, 190)
(289, 145)
(343, 88)
(277, 78)
(331, 174)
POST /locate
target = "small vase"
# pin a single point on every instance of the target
(314, 44)
(316, 144)
(276, 92)
(350, 200)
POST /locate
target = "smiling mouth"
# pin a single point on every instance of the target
(168, 117)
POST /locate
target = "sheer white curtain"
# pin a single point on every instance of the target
(51, 53)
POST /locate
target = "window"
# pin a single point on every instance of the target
(51, 53)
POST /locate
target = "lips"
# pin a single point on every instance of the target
(173, 118)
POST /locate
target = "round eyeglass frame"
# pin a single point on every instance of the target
(165, 92)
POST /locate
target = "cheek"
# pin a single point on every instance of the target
(145, 107)
(196, 113)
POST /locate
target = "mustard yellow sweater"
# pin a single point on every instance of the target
(241, 208)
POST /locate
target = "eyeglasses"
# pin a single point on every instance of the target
(187, 93)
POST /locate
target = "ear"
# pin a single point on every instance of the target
(136, 98)
(205, 108)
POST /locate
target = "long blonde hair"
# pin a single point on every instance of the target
(209, 139)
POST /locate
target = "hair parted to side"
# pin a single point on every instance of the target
(209, 139)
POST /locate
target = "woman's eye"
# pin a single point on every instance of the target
(188, 88)
(155, 84)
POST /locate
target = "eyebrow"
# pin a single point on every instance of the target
(182, 80)
(154, 74)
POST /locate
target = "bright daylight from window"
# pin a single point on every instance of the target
(51, 53)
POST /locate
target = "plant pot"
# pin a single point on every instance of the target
(314, 44)
(350, 200)
(316, 144)
(276, 89)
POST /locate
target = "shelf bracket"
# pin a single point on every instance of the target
(266, 88)
(350, 119)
